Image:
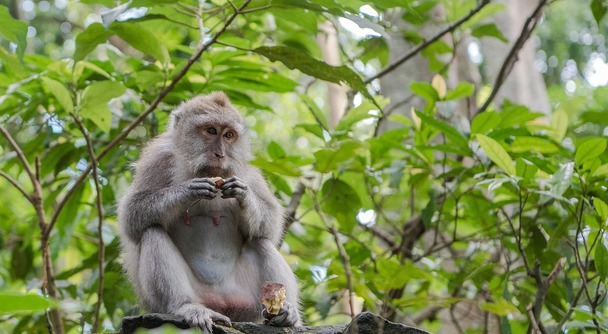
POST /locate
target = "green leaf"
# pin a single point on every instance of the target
(525, 169)
(141, 39)
(525, 144)
(589, 149)
(463, 89)
(562, 179)
(328, 159)
(485, 122)
(88, 40)
(425, 90)
(61, 93)
(341, 201)
(599, 9)
(95, 100)
(601, 208)
(296, 59)
(601, 259)
(24, 303)
(452, 134)
(13, 30)
(281, 167)
(497, 153)
(356, 114)
(316, 112)
(500, 307)
(559, 125)
(275, 150)
(489, 30)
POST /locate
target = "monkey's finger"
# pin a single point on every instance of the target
(234, 182)
(233, 193)
(202, 183)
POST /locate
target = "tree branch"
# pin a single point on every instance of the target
(17, 185)
(98, 201)
(428, 42)
(512, 56)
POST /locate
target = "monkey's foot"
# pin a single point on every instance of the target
(199, 316)
(288, 316)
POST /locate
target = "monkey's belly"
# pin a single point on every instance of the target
(210, 248)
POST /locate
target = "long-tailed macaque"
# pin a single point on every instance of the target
(199, 249)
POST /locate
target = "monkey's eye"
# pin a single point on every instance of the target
(212, 131)
(229, 134)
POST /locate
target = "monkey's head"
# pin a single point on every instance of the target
(209, 136)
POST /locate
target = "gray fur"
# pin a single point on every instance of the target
(192, 249)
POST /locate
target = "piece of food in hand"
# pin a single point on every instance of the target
(273, 297)
(218, 181)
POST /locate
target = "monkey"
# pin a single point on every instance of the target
(195, 249)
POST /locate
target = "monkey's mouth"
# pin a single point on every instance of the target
(211, 171)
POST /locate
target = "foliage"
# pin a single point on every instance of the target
(506, 214)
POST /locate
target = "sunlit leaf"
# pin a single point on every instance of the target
(464, 89)
(525, 144)
(357, 114)
(140, 38)
(425, 90)
(61, 93)
(88, 40)
(496, 153)
(438, 82)
(601, 208)
(24, 303)
(488, 30)
(589, 150)
(500, 307)
(485, 122)
(95, 100)
(559, 125)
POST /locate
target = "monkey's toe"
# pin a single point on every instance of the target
(288, 316)
(199, 316)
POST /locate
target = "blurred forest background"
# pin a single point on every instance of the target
(443, 162)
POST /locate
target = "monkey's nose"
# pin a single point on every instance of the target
(219, 155)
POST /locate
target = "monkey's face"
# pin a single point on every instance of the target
(209, 137)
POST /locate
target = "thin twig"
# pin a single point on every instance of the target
(17, 185)
(161, 96)
(428, 42)
(347, 270)
(512, 57)
(100, 243)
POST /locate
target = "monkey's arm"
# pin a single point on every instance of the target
(262, 215)
(152, 199)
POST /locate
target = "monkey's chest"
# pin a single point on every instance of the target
(210, 244)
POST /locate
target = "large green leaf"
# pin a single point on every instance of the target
(341, 201)
(463, 89)
(24, 303)
(590, 149)
(328, 159)
(355, 115)
(485, 122)
(525, 144)
(95, 100)
(296, 59)
(13, 30)
(140, 38)
(88, 40)
(559, 125)
(497, 153)
(61, 93)
(601, 259)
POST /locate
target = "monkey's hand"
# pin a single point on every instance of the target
(234, 188)
(201, 188)
(199, 316)
(288, 316)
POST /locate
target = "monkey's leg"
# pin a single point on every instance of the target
(275, 269)
(169, 283)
